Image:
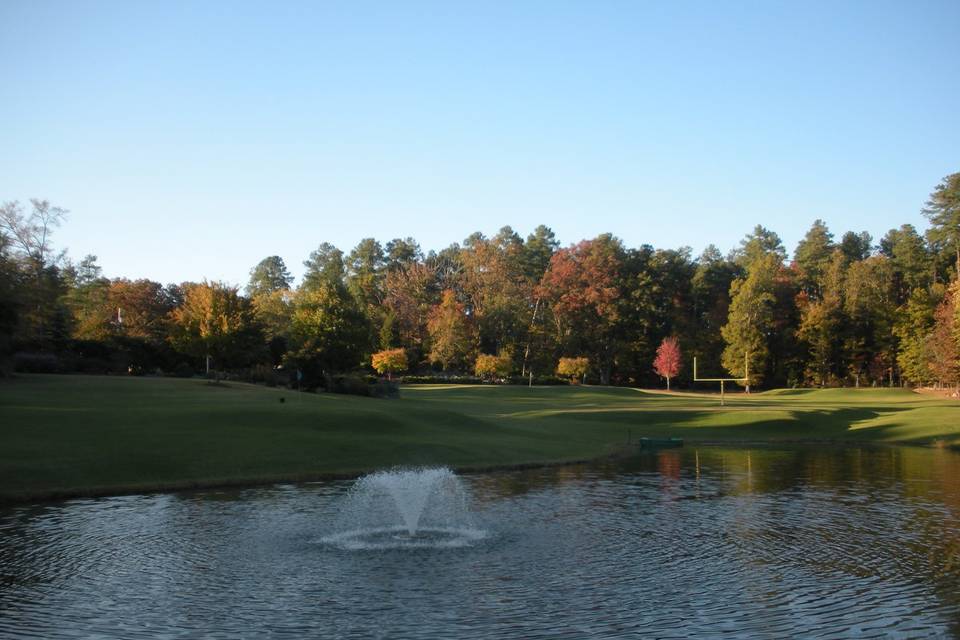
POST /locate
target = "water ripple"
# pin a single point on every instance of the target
(708, 543)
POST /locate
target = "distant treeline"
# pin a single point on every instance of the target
(843, 311)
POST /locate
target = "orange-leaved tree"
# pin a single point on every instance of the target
(390, 361)
(581, 289)
(452, 333)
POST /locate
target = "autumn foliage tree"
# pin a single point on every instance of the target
(408, 301)
(573, 368)
(750, 318)
(489, 366)
(840, 312)
(580, 286)
(496, 289)
(214, 320)
(667, 362)
(943, 342)
(389, 361)
(451, 332)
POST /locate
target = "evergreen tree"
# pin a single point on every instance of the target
(274, 312)
(812, 256)
(402, 252)
(498, 296)
(324, 268)
(87, 298)
(710, 290)
(638, 329)
(870, 344)
(822, 325)
(912, 267)
(943, 211)
(268, 276)
(759, 244)
(856, 246)
(365, 272)
(537, 251)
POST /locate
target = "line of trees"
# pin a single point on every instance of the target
(842, 311)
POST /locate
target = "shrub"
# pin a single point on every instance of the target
(442, 380)
(385, 389)
(94, 365)
(538, 380)
(25, 362)
(518, 380)
(182, 370)
(356, 385)
(352, 385)
(262, 374)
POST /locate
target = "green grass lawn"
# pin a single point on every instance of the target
(84, 435)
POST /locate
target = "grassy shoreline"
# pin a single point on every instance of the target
(79, 436)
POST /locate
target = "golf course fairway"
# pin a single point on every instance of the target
(64, 436)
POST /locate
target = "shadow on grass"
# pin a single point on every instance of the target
(793, 392)
(854, 424)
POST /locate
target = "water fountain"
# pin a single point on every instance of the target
(406, 508)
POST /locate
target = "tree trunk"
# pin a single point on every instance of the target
(526, 351)
(668, 383)
(605, 374)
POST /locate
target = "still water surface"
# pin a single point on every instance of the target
(704, 542)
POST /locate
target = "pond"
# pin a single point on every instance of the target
(709, 541)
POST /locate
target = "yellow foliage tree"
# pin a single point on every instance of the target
(573, 368)
(214, 320)
(492, 366)
(389, 361)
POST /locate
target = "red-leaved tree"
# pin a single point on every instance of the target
(581, 288)
(667, 362)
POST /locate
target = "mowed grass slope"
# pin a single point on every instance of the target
(77, 435)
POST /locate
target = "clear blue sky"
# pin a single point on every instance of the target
(192, 139)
